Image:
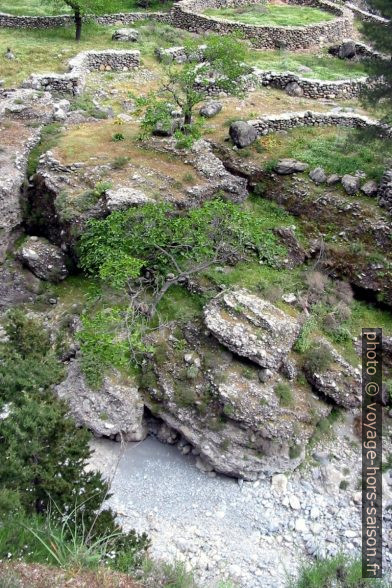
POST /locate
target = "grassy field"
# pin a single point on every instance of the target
(49, 50)
(337, 150)
(46, 8)
(272, 15)
(323, 66)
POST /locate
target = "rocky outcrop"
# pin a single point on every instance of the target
(211, 109)
(44, 259)
(251, 327)
(22, 114)
(115, 410)
(338, 380)
(238, 425)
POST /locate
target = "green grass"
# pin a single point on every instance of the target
(337, 572)
(49, 50)
(323, 66)
(337, 150)
(42, 8)
(272, 15)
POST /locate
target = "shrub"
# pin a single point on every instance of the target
(283, 392)
(120, 162)
(295, 451)
(318, 359)
(118, 137)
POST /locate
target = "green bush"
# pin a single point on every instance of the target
(283, 392)
(318, 359)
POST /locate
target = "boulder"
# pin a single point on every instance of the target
(351, 184)
(167, 128)
(123, 197)
(44, 259)
(318, 175)
(131, 35)
(385, 191)
(242, 134)
(236, 424)
(294, 89)
(333, 179)
(338, 381)
(286, 167)
(114, 410)
(211, 109)
(251, 327)
(347, 50)
(370, 188)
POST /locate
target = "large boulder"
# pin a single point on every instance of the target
(347, 50)
(251, 327)
(242, 134)
(351, 184)
(385, 191)
(238, 425)
(115, 410)
(294, 89)
(331, 375)
(130, 35)
(288, 166)
(211, 109)
(44, 259)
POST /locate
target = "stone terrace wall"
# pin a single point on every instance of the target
(46, 22)
(311, 88)
(187, 14)
(290, 120)
(364, 15)
(74, 81)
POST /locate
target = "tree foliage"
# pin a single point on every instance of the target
(184, 86)
(380, 36)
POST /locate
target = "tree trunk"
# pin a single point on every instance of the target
(187, 118)
(78, 24)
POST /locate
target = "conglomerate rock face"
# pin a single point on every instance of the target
(115, 410)
(252, 327)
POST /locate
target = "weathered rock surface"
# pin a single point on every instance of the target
(114, 410)
(211, 109)
(351, 184)
(296, 254)
(251, 327)
(44, 259)
(131, 35)
(339, 381)
(123, 197)
(294, 89)
(242, 134)
(370, 188)
(290, 166)
(385, 191)
(347, 50)
(236, 424)
(318, 175)
(22, 114)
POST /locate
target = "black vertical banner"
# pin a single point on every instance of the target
(371, 453)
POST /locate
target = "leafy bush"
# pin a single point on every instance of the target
(118, 137)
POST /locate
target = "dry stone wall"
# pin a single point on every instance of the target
(290, 120)
(46, 22)
(74, 81)
(311, 88)
(188, 14)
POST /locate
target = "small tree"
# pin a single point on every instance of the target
(81, 8)
(380, 36)
(187, 85)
